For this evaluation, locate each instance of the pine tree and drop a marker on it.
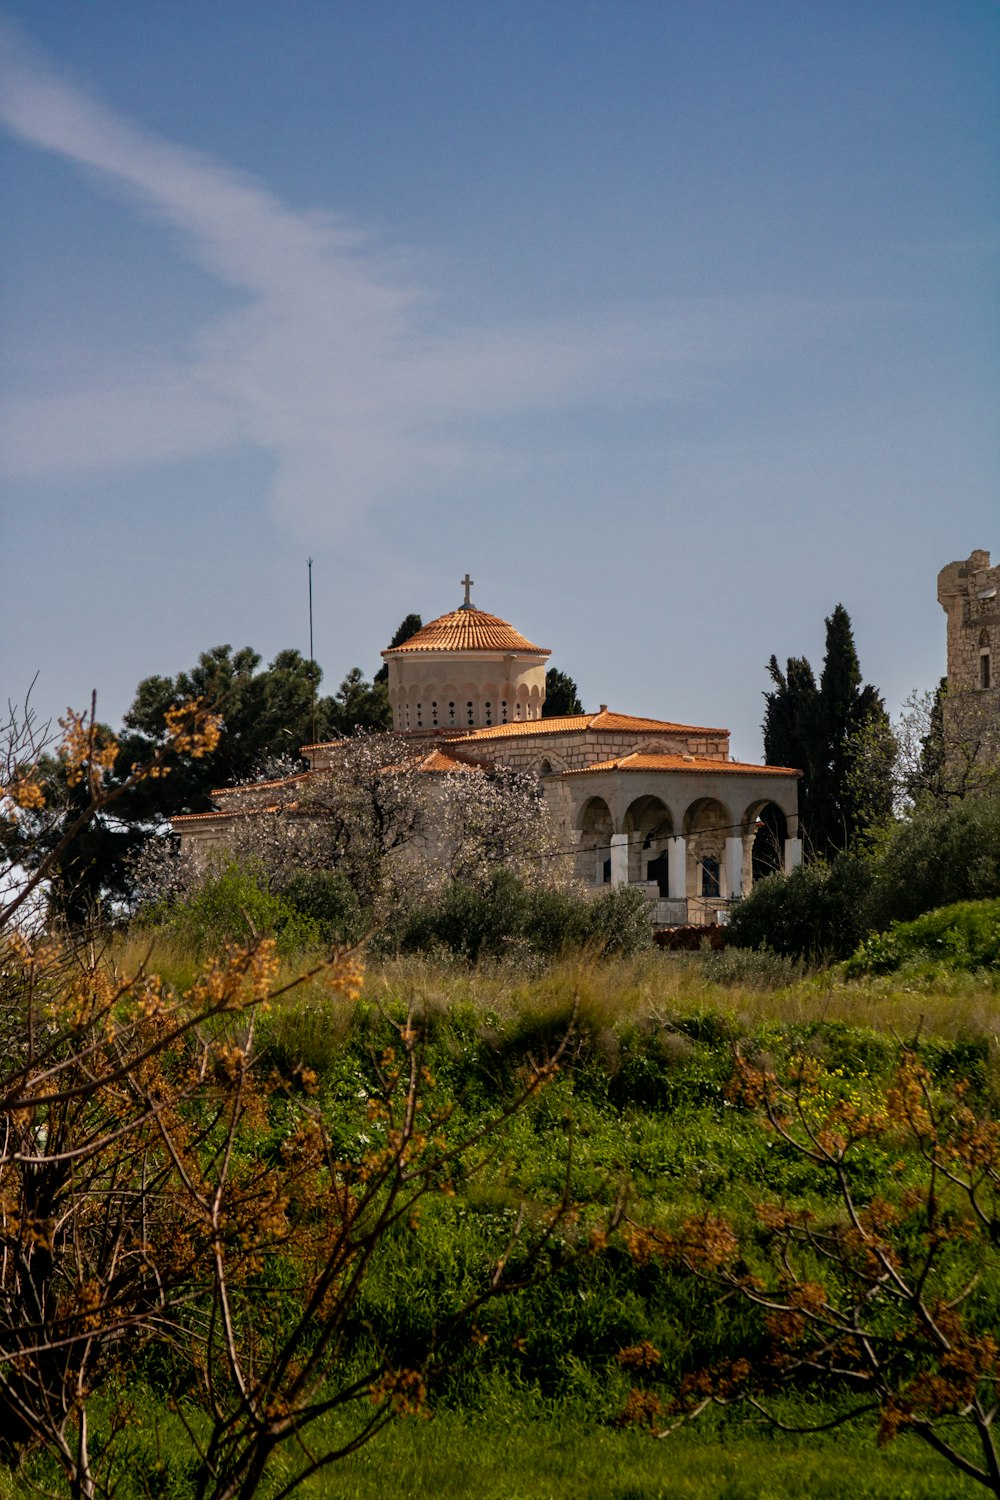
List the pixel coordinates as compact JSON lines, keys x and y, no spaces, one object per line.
{"x":561,"y":695}
{"x":408,"y":627}
{"x":266,"y":714}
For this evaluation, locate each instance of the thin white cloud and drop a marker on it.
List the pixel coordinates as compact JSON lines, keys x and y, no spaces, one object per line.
{"x":332,"y":368}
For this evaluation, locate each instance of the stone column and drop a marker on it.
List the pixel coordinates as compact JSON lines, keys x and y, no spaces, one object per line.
{"x":677,"y":870}
{"x":734,"y":868}
{"x":793,"y":855}
{"x":619,"y":859}
{"x":748,"y":842}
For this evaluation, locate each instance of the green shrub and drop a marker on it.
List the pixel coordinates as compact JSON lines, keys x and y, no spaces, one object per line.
{"x":509,"y":917}
{"x":475,"y":924}
{"x":618,"y":921}
{"x":327,"y":898}
{"x":232,"y":904}
{"x":935,"y":859}
{"x":750,"y":969}
{"x":816,"y":913}
{"x":962,"y":936}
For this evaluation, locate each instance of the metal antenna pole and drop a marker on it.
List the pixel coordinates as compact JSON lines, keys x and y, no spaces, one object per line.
{"x":312,"y":659}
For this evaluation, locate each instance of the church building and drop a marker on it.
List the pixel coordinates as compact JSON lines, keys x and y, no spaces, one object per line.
{"x":643,"y":801}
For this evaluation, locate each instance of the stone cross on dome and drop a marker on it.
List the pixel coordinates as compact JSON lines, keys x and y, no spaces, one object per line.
{"x":467,"y":583}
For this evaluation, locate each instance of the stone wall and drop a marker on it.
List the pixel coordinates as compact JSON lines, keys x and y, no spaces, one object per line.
{"x":571,"y":750}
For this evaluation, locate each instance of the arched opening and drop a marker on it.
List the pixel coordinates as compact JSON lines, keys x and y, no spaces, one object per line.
{"x":707,"y":825}
{"x":769,"y":827}
{"x":596,"y":828}
{"x":650,"y":826}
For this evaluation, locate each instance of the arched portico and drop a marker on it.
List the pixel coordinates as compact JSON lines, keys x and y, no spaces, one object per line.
{"x":685,"y":832}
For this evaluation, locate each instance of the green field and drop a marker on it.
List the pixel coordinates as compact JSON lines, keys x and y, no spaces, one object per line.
{"x":528,"y":1406}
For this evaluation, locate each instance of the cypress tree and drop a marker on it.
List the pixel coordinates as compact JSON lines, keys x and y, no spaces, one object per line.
{"x":834,"y":733}
{"x":791,"y":721}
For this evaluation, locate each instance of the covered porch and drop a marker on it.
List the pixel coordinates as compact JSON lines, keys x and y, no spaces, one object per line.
{"x":693,"y":838}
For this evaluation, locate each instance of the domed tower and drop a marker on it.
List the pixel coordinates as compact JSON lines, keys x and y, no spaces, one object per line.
{"x":465,"y":670}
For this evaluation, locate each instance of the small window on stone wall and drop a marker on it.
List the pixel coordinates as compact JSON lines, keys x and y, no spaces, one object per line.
{"x":434,"y":714}
{"x":489,"y":713}
{"x":468,"y":710}
{"x":984,"y":670}
{"x":503,"y":710}
{"x":710,"y":878}
{"x":451,"y":713}
{"x":420,"y":716}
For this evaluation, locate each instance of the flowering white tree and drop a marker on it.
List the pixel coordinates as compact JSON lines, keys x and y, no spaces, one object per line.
{"x":396,"y":826}
{"x":495,"y":819}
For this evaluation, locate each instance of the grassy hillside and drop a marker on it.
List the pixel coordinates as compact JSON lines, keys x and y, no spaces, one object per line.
{"x":525,"y":1399}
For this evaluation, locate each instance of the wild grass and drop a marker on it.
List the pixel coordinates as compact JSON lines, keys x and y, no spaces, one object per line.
{"x":522,"y":1454}
{"x":658,"y":987}
{"x":517,"y":1447}
{"x":735,"y":993}
{"x":640,"y":1099}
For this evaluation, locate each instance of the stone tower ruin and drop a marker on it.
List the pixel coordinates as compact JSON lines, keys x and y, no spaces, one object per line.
{"x":969,"y":594}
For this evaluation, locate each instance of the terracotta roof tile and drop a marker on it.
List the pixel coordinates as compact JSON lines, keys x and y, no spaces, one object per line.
{"x":440,"y":760}
{"x":466,"y":630}
{"x":581,"y":723}
{"x":639,"y":762}
{"x":229,"y":813}
{"x":256,"y":786}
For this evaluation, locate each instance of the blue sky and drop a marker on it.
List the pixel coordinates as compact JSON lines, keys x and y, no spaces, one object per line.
{"x":675,"y":323}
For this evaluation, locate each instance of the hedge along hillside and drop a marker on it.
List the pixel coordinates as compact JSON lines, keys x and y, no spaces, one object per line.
{"x":965,"y":935}
{"x":823,"y":911}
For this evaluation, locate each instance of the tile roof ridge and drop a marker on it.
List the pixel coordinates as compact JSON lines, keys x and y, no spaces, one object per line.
{"x":642,"y":760}
{"x":254,"y":786}
{"x":466,"y":629}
